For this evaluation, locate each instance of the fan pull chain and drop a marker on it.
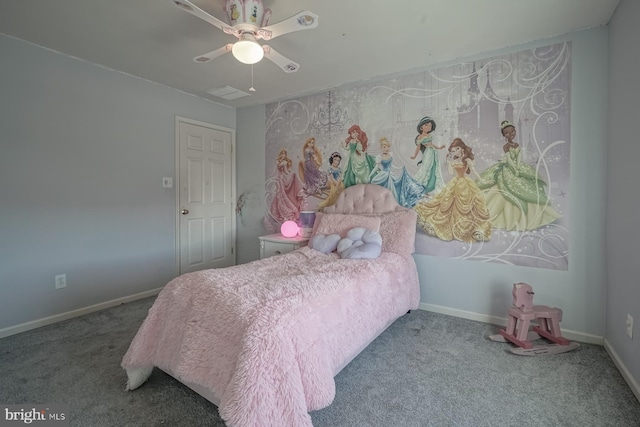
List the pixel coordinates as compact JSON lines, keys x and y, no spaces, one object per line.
{"x":252,"y":89}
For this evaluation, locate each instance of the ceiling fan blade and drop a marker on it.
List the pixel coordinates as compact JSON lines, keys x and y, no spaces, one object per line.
{"x":206,"y":57}
{"x":304,"y":20}
{"x":287,"y":65}
{"x":196,"y":11}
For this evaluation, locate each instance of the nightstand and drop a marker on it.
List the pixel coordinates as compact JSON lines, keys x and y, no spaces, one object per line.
{"x":277,"y":244}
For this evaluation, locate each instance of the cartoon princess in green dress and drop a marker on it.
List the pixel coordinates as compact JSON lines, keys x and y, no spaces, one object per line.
{"x":514,"y":192}
{"x":359,"y":163}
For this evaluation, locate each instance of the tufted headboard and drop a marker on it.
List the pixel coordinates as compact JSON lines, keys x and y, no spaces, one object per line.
{"x":364,"y":199}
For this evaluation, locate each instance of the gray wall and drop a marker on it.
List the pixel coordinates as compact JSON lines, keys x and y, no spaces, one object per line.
{"x":251,"y":165}
{"x":84,"y":150}
{"x":83,"y":153}
{"x":482,"y":291}
{"x":595,"y":299}
{"x":485,"y":288}
{"x":623,"y":191}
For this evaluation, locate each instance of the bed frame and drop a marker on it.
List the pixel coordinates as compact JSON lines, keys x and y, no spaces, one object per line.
{"x":358,"y":199}
{"x":401,"y":294}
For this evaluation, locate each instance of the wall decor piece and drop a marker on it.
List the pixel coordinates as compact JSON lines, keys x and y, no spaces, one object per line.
{"x":248,"y":209}
{"x":480,"y":149}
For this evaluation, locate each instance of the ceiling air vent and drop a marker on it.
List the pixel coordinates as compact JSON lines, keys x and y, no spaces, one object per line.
{"x":227,"y":92}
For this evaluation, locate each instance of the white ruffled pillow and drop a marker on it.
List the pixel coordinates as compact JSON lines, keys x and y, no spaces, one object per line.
{"x":323,"y":243}
{"x":360,"y":243}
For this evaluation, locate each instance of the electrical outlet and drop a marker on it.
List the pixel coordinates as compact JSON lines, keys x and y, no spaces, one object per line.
{"x":61,"y":281}
{"x":629,"y":325}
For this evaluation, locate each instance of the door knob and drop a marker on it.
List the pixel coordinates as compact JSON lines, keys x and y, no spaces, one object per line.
{"x":184,"y":211}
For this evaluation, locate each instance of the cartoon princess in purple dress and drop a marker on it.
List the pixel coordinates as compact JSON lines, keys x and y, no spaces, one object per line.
{"x":309,"y":170}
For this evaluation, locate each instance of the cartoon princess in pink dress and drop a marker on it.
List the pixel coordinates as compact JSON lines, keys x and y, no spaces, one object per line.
{"x":289,"y":196}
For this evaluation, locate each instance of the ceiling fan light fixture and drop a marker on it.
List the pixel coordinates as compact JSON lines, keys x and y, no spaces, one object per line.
{"x":247,"y":50}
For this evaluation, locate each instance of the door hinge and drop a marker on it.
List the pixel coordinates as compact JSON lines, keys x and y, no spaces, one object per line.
{"x":231,"y":250}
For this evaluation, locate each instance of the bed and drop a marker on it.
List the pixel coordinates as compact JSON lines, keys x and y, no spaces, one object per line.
{"x":264,"y":340}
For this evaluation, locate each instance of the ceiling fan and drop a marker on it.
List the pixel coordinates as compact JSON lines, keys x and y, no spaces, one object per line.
{"x":249,"y":22}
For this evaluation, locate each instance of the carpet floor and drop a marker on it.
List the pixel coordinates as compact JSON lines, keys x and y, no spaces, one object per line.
{"x":427,"y":369}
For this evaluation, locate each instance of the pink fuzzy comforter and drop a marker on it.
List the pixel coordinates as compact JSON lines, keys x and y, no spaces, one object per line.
{"x":267,"y":337}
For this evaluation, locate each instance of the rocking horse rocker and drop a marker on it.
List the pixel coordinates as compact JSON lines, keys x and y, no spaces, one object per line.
{"x":521,"y":313}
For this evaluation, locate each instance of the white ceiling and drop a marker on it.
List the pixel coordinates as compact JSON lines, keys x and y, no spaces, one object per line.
{"x":356,"y":40}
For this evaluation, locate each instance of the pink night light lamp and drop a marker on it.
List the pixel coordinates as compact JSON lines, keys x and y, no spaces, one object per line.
{"x":289,"y":229}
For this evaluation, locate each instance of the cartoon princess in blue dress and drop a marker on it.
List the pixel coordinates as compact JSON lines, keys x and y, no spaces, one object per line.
{"x":405,"y":189}
{"x":429,"y":174}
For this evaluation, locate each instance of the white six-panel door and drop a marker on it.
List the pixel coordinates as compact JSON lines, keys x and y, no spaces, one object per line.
{"x":206,"y":200}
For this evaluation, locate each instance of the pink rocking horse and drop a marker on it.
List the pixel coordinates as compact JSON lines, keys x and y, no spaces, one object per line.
{"x":521,"y":313}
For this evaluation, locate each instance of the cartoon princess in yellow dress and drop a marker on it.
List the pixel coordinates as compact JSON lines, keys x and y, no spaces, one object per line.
{"x":458,"y":212}
{"x":235,"y":14}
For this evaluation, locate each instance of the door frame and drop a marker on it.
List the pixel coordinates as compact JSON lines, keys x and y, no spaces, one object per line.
{"x":178,"y":120}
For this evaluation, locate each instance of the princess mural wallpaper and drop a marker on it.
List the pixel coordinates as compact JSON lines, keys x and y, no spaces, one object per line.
{"x":480,"y":150}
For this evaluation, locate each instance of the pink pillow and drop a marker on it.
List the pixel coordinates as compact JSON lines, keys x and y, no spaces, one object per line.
{"x":341,"y":223}
{"x":398,"y":231}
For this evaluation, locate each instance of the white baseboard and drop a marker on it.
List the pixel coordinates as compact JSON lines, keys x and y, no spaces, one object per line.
{"x":484,"y":318}
{"x":23,"y":327}
{"x":633,"y":384}
{"x":500,"y":321}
